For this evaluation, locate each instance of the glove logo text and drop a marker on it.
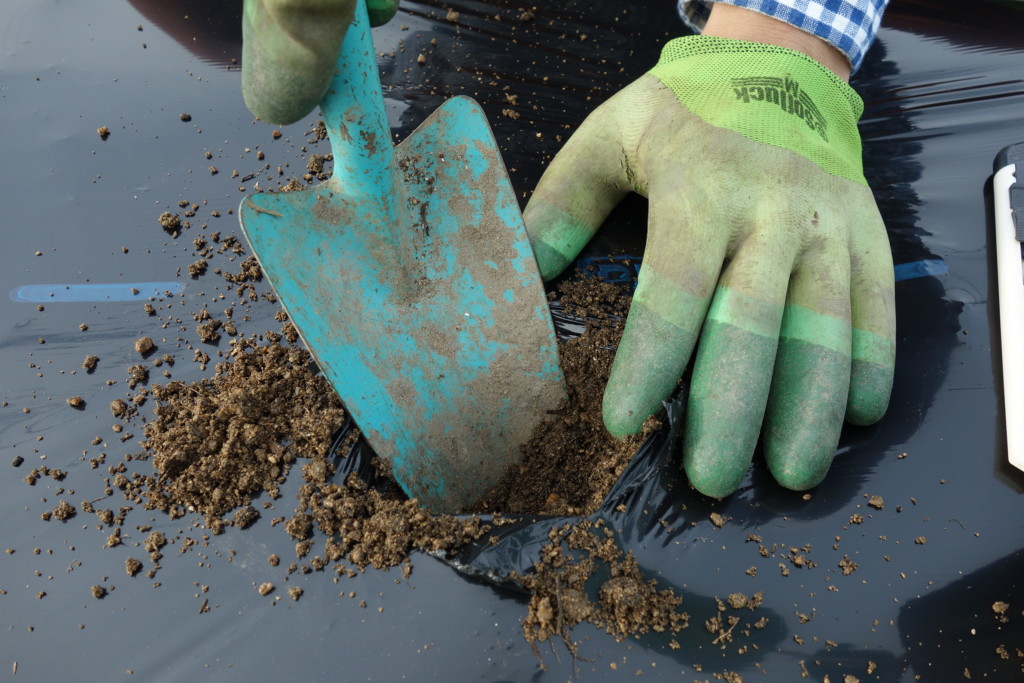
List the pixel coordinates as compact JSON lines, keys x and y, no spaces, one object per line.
{"x":784,"y":92}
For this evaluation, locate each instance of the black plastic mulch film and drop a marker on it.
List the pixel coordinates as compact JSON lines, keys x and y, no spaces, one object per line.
{"x":943,"y":95}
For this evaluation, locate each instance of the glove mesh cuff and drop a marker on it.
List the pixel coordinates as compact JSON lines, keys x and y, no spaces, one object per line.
{"x":770,"y":94}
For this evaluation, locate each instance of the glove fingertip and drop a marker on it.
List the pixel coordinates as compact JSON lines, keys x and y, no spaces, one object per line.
{"x":620,"y":419}
{"x":381,"y":11}
{"x":870,"y":389}
{"x":802,"y":474}
{"x":709,"y":478}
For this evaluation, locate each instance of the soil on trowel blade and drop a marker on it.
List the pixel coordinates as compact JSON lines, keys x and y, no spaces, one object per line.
{"x":571,"y":462}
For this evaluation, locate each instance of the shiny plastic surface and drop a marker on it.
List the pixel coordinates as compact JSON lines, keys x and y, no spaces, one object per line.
{"x":939,"y":547}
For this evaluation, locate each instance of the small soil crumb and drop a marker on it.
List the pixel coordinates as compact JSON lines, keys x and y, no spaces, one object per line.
{"x":315,"y":165}
{"x":89,"y":364}
{"x":246,"y":517}
{"x":144,"y":345}
{"x":876,"y":502}
{"x":119,"y":408}
{"x":170,"y":222}
{"x":452,"y":16}
{"x":295,"y":592}
{"x":137,"y":374}
{"x":155,"y":541}
{"x":103,"y":132}
{"x":132,"y":566}
{"x":273,"y":560}
{"x":198,"y":268}
{"x":17,"y":460}
{"x":717,"y":519}
{"x":626,"y":603}
{"x":265,"y":588}
{"x":99,"y":592}
{"x":64,"y":511}
{"x":185,"y":117}
{"x":76,"y":401}
{"x":209,"y":331}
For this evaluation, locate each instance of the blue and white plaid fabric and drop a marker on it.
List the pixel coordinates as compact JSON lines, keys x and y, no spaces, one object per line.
{"x":848,"y":25}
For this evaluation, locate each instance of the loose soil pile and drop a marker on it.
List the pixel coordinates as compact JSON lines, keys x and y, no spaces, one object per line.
{"x":218,"y":443}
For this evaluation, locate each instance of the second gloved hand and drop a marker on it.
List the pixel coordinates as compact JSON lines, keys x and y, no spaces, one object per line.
{"x":765,"y":253}
{"x":290,"y":50}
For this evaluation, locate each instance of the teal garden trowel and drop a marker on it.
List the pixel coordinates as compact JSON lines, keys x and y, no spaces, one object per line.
{"x":410,"y":277}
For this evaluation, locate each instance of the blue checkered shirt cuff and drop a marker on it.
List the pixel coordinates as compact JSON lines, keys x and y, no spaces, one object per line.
{"x":848,"y":25}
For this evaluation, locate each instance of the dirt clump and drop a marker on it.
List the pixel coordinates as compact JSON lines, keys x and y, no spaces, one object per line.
{"x":563,"y":594}
{"x":132,"y":566}
{"x":171,"y":222}
{"x":373,"y":528}
{"x":144,"y":345}
{"x":217,"y":443}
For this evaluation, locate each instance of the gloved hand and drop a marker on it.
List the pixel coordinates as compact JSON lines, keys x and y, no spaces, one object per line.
{"x":764,"y":245}
{"x":290,"y":50}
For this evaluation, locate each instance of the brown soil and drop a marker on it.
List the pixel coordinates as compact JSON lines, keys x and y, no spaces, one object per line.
{"x":626,"y":604}
{"x":218,"y":443}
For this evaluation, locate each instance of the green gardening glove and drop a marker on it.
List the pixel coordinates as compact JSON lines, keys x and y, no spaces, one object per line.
{"x":764,"y":245}
{"x":290,"y":51}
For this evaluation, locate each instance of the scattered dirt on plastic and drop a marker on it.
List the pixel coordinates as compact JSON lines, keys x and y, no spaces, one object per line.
{"x":217,"y":443}
{"x":626,"y":604}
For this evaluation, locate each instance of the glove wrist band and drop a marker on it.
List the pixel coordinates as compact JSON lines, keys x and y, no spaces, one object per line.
{"x":770,"y":94}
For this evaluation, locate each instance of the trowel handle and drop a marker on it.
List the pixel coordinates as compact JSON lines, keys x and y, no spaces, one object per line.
{"x":354,"y":114}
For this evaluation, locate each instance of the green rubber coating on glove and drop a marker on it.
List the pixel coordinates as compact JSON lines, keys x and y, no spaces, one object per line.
{"x":870,"y":388}
{"x":724,"y":418}
{"x":289,"y":53}
{"x":873,"y":349}
{"x":661,"y":295}
{"x":648,"y":363}
{"x":805,"y":412}
{"x":381,"y":11}
{"x":770,"y":94}
{"x":746,"y":312}
{"x":817,"y":328}
{"x":874,"y":357}
{"x":562,"y":237}
{"x":550,"y":261}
